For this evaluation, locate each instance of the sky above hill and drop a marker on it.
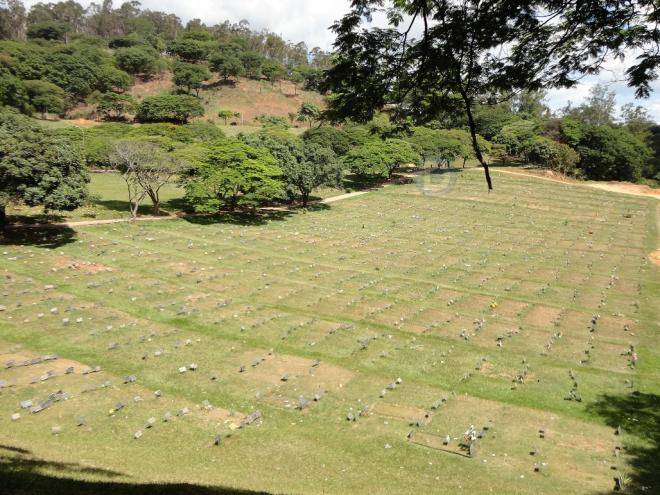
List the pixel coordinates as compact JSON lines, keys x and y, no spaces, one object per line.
{"x":308,"y":21}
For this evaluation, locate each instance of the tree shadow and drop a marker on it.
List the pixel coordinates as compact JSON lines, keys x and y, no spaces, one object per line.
{"x":243,"y":217}
{"x":35,"y":219}
{"x":638,"y":415}
{"x":23,"y":474}
{"x":44,"y":236}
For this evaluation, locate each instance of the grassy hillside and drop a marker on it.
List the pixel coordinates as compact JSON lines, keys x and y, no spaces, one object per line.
{"x":410,"y":313}
{"x":249,"y":97}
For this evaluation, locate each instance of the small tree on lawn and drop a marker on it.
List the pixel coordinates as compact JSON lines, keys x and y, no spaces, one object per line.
{"x":228,"y":114}
{"x":308,"y":112}
{"x":229,"y":174}
{"x":146,"y":168}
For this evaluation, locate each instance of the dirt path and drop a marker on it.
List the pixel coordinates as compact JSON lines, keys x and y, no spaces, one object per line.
{"x":149,"y":218}
{"x":618,"y":187}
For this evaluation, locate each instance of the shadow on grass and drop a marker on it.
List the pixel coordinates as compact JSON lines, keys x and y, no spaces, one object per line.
{"x":260,"y":217}
{"x":177,"y":204}
{"x":638,"y":415}
{"x":23,"y":474}
{"x":49,"y":237}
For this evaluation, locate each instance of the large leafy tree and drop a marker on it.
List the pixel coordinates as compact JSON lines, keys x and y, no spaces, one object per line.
{"x":480,"y":52}
{"x":137,"y":60}
{"x":305,"y":165}
{"x":378,"y":159}
{"x":190,"y":76}
{"x":177,"y":109}
{"x":228,"y":173}
{"x":38,"y":168}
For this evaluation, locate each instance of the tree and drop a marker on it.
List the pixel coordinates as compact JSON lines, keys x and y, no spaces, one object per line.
{"x":435,"y":145}
{"x":272,"y":70}
{"x":305,"y":165}
{"x":549,"y":153}
{"x":378,"y":158}
{"x":188,"y":49}
{"x":611,"y":154}
{"x":146,"y":168}
{"x":172,"y":108}
{"x":190,"y":76}
{"x":308,"y":112}
{"x":296,"y":79}
{"x":49,"y":30}
{"x":229,"y":173}
{"x":515,"y":135}
{"x":137,"y":60}
{"x":318,"y":167}
{"x":228,"y":114}
{"x":13,"y":92}
{"x":114,"y":105}
{"x":226,"y":65}
{"x":38,"y":168}
{"x":480,"y":52}
{"x":598,"y":109}
{"x":46,"y":97}
{"x":329,"y":137}
{"x":252,"y":63}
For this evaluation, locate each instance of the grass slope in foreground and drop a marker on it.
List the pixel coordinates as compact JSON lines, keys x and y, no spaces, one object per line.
{"x":482,"y":304}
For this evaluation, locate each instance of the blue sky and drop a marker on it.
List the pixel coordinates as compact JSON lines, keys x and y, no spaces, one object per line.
{"x":308,"y":21}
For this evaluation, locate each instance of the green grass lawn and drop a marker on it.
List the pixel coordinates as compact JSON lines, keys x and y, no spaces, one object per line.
{"x":417,"y":309}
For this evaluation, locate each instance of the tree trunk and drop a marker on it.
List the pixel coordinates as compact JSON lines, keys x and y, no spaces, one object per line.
{"x":473,"y":134}
{"x":3,"y":217}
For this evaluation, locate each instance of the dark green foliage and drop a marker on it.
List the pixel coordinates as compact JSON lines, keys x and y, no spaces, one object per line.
{"x":252,"y":62}
{"x":38,"y":168}
{"x":548,"y":153}
{"x":490,"y":119}
{"x":13,"y":92}
{"x":226,"y":65}
{"x":190,"y":76}
{"x":379,"y":159}
{"x":272,"y":121}
{"x":188,"y":49}
{"x":515,"y":135}
{"x":272,"y":70}
{"x":308,"y":112}
{"x":329,"y":137}
{"x":177,"y":109}
{"x":305,"y":165}
{"x":611,"y":154}
{"x":114,"y":105}
{"x":46,"y":97}
{"x":77,"y":68}
{"x":49,"y":30}
{"x":137,"y":60}
{"x":228,"y":174}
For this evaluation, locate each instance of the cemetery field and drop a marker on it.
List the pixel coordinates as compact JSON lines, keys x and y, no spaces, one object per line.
{"x":343,"y":349}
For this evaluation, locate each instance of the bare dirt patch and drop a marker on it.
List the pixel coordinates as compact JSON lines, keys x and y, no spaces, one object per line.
{"x":84,"y":266}
{"x":654,"y":257}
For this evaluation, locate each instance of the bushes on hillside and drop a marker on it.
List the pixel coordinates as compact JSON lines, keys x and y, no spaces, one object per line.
{"x":172,"y":108}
